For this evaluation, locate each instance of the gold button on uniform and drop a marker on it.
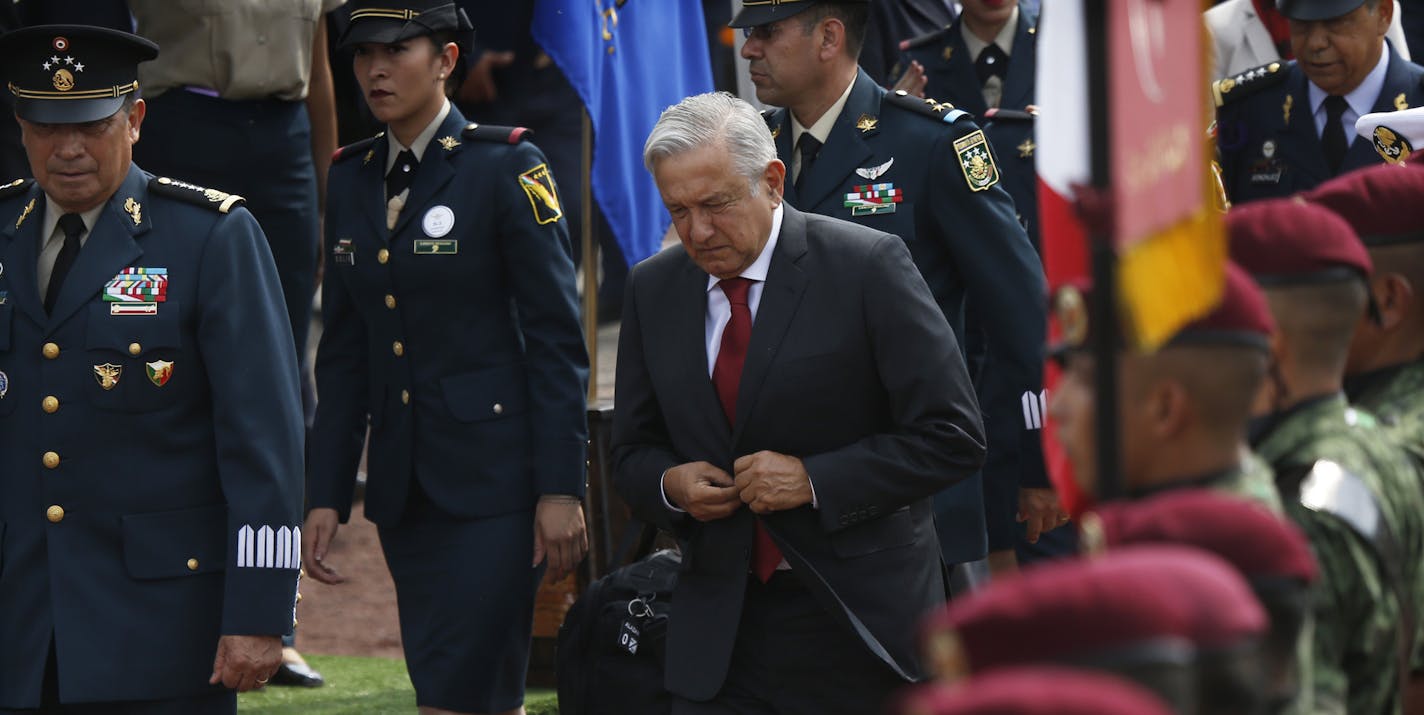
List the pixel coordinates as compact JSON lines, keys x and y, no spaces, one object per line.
{"x":192,"y":564}
{"x":405,"y":397}
{"x":498,"y":408}
{"x":390,"y":301}
{"x":398,"y":348}
{"x":51,"y":460}
{"x":135,"y":349}
{"x":50,"y":404}
{"x":299,"y":598}
{"x":55,"y":514}
{"x":383,"y":256}
{"x":51,"y":351}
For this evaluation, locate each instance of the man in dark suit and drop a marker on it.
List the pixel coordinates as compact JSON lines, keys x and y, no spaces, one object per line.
{"x":150,"y":425}
{"x":1287,"y":126}
{"x":798,"y":477}
{"x":924,"y":172}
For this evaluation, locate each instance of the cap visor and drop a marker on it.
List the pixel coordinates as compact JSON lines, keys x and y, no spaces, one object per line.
{"x":66,"y":111}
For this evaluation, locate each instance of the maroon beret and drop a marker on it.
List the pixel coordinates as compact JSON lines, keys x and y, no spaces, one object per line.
{"x":1258,"y":543}
{"x":1140,"y":597}
{"x":1035,"y":691}
{"x":1240,"y":317}
{"x":1292,"y":242}
{"x":1383,"y":203}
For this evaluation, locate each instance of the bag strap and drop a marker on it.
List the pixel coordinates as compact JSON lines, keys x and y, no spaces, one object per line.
{"x":635,"y":543}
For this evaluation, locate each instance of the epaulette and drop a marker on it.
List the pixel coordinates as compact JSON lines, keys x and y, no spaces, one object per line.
{"x":918,"y":42}
{"x":18,"y":186}
{"x":943,"y":111}
{"x":1247,"y":83}
{"x":768,"y":116}
{"x":996,"y":114}
{"x":497,"y":134}
{"x":219,"y":201}
{"x":354,"y":148}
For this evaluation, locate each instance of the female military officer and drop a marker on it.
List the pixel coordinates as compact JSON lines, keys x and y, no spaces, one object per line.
{"x":452,"y":331}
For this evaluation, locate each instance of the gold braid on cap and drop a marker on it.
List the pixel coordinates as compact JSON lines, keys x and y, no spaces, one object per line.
{"x":106,"y":93}
{"x":384,"y":12}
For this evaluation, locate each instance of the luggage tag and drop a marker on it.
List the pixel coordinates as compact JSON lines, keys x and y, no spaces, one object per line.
{"x":629,"y":634}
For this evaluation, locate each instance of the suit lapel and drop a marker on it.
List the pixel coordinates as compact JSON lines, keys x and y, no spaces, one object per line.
{"x":780,"y":297}
{"x":782,"y":130}
{"x":110,"y":247}
{"x":22,"y":255}
{"x":1299,"y":135}
{"x":689,"y":325}
{"x":844,"y":150}
{"x":371,"y":187}
{"x":1018,"y":84}
{"x":435,"y":171}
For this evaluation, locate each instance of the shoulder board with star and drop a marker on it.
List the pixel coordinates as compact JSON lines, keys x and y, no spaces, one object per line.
{"x":1244,"y":84}
{"x":495,"y":133}
{"x":219,"y":201}
{"x":941,"y":111}
{"x":14,"y":188}
{"x":929,"y":38}
{"x":355,"y":148}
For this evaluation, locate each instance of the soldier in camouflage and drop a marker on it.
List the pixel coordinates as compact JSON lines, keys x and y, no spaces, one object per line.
{"x":1349,"y":487}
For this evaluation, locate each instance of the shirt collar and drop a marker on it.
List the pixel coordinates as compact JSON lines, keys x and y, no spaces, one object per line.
{"x":822,"y":128}
{"x":758,"y":269}
{"x":1005,"y":38}
{"x":422,"y":139}
{"x":51,"y":220}
{"x":1362,"y":100}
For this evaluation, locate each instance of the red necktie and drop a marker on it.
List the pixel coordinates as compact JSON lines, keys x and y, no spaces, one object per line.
{"x":726,"y":377}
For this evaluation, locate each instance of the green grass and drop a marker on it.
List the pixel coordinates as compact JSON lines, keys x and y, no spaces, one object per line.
{"x":359,"y":686}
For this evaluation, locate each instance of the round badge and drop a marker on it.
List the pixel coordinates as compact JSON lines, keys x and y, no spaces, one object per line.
{"x":1268,"y":148}
{"x":60,"y":44}
{"x":4,"y":384}
{"x":438,"y":221}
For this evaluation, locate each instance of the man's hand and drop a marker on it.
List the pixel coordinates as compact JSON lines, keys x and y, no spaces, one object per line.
{"x":479,"y":82}
{"x":559,"y":534}
{"x":246,"y":662}
{"x":768,"y":482}
{"x":1039,"y":512}
{"x":702,"y":490}
{"x":914,"y":80}
{"x":318,"y":534}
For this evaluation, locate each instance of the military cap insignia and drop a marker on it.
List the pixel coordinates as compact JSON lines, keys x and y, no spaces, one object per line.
{"x":134,"y":209}
{"x":159,"y":372}
{"x":448,"y":143}
{"x":1391,"y":146}
{"x":538,"y":185}
{"x":25,"y":213}
{"x":866,"y":123}
{"x":1244,"y":84}
{"x":221,"y":201}
{"x":108,"y":374}
{"x":1400,"y":103}
{"x":1072,"y":311}
{"x":976,"y":161}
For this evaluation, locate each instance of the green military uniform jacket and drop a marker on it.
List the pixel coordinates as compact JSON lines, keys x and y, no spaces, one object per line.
{"x":1355,"y":658}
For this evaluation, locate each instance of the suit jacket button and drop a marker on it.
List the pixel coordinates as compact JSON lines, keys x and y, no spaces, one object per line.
{"x":299,"y":597}
{"x":405,"y":397}
{"x":50,"y":405}
{"x":51,"y":351}
{"x":383,"y":256}
{"x":498,"y":408}
{"x":55,"y":514}
{"x":51,"y":460}
{"x":192,"y":564}
{"x":390,"y":301}
{"x":135,"y":349}
{"x":398,"y":348}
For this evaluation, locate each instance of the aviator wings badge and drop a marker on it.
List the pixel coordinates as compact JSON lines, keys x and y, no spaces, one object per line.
{"x":874,"y":172}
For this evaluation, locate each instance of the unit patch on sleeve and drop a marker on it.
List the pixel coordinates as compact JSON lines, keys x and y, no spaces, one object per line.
{"x":538,"y":184}
{"x":975,"y":161}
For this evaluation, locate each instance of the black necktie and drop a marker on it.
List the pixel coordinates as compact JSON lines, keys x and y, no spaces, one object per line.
{"x":808,"y":146}
{"x":1333,"y":139}
{"x":72,"y":226}
{"x":401,"y":174}
{"x":992,"y":62}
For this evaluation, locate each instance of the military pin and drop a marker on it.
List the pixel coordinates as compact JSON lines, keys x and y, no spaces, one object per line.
{"x":1286,"y":108}
{"x":26,"y":213}
{"x":948,"y":53}
{"x":134,"y":209}
{"x":775,"y":132}
{"x":369,"y":153}
{"x":448,"y":143}
{"x":159,"y":372}
{"x":4,"y":384}
{"x":1026,"y":148}
{"x":866,"y":123}
{"x":1268,"y":148}
{"x":1400,"y":103}
{"x":438,"y":221}
{"x":108,"y":375}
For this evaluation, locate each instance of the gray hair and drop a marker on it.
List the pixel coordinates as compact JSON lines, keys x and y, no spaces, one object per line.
{"x":713,"y":119}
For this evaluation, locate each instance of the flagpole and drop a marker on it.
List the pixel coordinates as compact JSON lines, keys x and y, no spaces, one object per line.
{"x":590,"y":258}
{"x":1105,"y":335}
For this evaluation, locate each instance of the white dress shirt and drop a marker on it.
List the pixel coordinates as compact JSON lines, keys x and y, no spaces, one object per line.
{"x":821,"y":130}
{"x":52,"y":240}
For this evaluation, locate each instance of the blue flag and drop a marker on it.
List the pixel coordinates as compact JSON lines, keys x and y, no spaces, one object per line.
{"x":628,"y":60}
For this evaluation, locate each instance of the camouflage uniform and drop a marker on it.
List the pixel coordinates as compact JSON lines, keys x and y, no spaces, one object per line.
{"x":1355,"y":666}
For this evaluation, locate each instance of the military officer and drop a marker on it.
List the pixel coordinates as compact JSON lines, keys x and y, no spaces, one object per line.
{"x":1286,"y":126}
{"x":452,"y":330}
{"x":150,"y":425}
{"x":1352,"y":490}
{"x":923,"y":171}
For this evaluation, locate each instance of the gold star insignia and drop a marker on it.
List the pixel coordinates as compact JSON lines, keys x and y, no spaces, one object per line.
{"x":866,"y":123}
{"x":449,"y":143}
{"x":1026,"y":148}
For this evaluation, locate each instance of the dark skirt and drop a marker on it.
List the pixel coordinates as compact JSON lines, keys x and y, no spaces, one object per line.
{"x":465,"y":592}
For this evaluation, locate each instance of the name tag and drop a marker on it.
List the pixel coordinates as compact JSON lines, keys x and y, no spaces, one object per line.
{"x":429,"y":247}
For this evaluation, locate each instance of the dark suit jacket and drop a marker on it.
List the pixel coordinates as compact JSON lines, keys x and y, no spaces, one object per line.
{"x":485,"y":401}
{"x":968,"y":245}
{"x":160,"y":479}
{"x":853,"y":369}
{"x":1250,"y":128}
